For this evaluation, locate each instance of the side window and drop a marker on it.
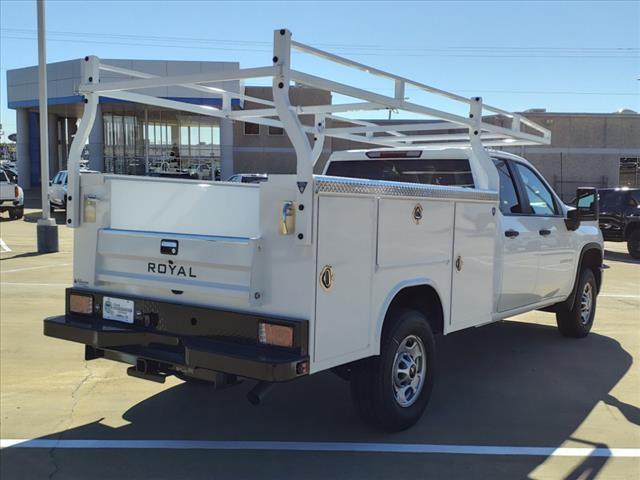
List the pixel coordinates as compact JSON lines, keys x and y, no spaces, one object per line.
{"x":509,"y":201}
{"x":56,"y":179}
{"x":540,"y":197}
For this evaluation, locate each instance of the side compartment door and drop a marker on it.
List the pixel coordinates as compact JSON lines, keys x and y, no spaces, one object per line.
{"x":346,"y":254}
{"x":473,"y":259}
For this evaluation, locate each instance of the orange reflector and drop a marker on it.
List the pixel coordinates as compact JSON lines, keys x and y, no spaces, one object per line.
{"x":81,"y":304}
{"x":302,"y":368}
{"x":279,"y":335}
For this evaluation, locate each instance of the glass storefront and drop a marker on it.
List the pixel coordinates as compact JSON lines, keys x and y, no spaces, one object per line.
{"x":161,"y":143}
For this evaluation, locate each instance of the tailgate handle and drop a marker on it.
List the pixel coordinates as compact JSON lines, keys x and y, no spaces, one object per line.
{"x":169,"y":247}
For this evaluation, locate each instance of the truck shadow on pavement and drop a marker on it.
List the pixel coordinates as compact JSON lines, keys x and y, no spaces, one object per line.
{"x":620,"y":257}
{"x":506,"y":384}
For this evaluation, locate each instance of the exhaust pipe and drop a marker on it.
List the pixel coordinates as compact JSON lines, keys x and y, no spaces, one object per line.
{"x":258,"y":392}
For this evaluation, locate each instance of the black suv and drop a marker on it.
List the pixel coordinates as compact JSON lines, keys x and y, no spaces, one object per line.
{"x":620,"y":217}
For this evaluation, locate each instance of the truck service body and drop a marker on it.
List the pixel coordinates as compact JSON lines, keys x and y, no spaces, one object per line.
{"x":302,"y":273}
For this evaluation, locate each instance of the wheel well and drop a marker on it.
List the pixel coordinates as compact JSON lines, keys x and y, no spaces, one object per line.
{"x":592,"y":259}
{"x":422,"y":298}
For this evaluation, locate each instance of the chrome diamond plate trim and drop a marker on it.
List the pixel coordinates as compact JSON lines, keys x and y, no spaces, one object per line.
{"x":342,"y":185}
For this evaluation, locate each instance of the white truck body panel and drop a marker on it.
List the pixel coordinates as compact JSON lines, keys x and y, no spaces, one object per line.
{"x":203,"y":208}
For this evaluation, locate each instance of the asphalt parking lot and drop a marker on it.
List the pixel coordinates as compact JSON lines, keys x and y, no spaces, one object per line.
{"x":517,"y":385}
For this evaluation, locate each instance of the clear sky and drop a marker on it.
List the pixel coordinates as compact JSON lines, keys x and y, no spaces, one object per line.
{"x":576,"y":56}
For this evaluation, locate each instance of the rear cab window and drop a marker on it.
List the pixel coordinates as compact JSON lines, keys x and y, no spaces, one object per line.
{"x":509,"y":199}
{"x":433,"y":171}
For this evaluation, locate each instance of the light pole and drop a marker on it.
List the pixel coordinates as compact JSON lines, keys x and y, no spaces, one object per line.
{"x":46,"y":228}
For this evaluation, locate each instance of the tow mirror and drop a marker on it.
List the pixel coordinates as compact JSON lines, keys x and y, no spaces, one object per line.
{"x":572,"y":221}
{"x":586,"y":210}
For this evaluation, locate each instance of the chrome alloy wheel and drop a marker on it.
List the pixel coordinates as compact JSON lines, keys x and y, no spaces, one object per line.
{"x":586,"y":303}
{"x":409,"y":371}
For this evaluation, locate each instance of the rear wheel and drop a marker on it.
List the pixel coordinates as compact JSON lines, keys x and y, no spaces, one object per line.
{"x":633,"y":243}
{"x":392,"y":390}
{"x":577,"y":321}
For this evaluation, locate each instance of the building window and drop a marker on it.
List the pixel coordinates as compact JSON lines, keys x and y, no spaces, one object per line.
{"x":276,"y":130}
{"x":630,"y":172}
{"x":251,"y":128}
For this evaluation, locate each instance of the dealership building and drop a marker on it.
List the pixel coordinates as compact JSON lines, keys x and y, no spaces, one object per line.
{"x":128,"y":138}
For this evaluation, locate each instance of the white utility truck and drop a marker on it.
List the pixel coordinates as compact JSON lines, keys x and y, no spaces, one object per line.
{"x":355,"y":270}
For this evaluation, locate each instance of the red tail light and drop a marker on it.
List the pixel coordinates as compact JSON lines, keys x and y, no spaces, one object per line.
{"x":16,"y":191}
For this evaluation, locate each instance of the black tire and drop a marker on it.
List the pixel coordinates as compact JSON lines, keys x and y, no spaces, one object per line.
{"x":633,"y":243}
{"x":373,"y":388}
{"x":19,"y":212}
{"x":52,"y":210}
{"x":576,"y":322}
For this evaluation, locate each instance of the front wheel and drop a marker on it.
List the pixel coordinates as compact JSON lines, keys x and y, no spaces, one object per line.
{"x":392,"y":390}
{"x":633,"y":243}
{"x":577,"y":321}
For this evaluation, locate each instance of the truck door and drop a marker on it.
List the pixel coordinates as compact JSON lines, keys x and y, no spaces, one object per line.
{"x":555,"y":254}
{"x":346,"y":255}
{"x":519,"y":241}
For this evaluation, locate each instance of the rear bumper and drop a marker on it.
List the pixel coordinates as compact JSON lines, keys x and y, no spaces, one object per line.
{"x":194,"y":355}
{"x":10,"y":204}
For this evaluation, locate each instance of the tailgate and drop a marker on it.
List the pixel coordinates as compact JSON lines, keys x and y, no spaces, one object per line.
{"x":215,"y":265}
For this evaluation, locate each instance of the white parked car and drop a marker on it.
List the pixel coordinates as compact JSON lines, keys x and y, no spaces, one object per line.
{"x":354,"y":271}
{"x":11,"y":195}
{"x":58,"y":189}
{"x":248,"y":178}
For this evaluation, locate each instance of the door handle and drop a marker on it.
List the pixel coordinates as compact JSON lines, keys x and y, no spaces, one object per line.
{"x":511,"y":233}
{"x":544,"y":232}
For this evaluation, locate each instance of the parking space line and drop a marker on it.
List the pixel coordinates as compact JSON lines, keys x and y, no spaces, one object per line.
{"x":28,"y":284}
{"x":323,"y":447}
{"x":619,"y":295}
{"x":3,"y":246}
{"x":36,"y":268}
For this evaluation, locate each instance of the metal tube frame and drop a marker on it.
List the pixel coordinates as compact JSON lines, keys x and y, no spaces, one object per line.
{"x":452,"y":130}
